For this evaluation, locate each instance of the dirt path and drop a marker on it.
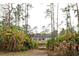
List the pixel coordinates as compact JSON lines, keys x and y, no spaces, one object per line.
{"x":38,"y":52}
{"x":41,"y":51}
{"x":33,"y":52}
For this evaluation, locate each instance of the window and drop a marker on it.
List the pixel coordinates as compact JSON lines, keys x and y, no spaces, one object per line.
{"x":43,"y":38}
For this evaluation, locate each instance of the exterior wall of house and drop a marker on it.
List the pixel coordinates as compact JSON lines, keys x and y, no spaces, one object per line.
{"x":40,"y":37}
{"x":43,"y":37}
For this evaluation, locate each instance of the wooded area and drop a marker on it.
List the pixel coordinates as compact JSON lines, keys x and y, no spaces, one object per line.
{"x":14,"y":37}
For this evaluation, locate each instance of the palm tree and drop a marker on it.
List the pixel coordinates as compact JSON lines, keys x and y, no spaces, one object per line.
{"x":18,"y":12}
{"x":7,"y":14}
{"x":27,"y":6}
{"x":57,"y":18}
{"x":76,"y":11}
{"x":66,"y":10}
{"x":50,"y":12}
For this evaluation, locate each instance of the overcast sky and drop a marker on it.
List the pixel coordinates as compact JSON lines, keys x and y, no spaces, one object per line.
{"x":37,"y":13}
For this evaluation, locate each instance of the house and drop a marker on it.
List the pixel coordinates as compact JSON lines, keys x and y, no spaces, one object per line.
{"x":43,"y":37}
{"x":40,"y":37}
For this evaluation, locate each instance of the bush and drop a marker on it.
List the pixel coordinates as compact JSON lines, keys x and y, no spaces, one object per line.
{"x":50,"y":44}
{"x":64,"y":44}
{"x":12,"y":39}
{"x":34,"y":44}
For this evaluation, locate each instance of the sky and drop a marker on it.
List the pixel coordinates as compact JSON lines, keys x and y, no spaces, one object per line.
{"x":38,"y":12}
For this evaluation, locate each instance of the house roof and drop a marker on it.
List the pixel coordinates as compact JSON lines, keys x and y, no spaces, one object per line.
{"x":41,"y":36}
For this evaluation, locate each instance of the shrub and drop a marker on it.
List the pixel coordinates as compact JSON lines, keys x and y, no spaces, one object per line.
{"x":12,"y":39}
{"x":34,"y":44}
{"x":15,"y":39}
{"x":66,"y":44}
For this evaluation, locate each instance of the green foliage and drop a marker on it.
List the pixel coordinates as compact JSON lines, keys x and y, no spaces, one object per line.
{"x":14,"y":39}
{"x":34,"y":44}
{"x":64,"y":44}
